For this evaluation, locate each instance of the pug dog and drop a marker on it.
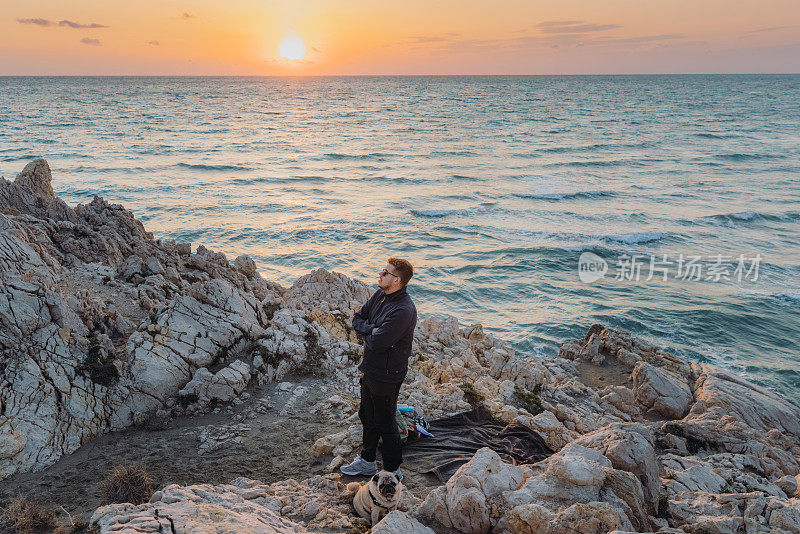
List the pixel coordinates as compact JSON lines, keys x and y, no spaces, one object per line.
{"x":378,"y":497}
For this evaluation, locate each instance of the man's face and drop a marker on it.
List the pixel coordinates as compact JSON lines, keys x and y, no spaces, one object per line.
{"x":388,"y":279}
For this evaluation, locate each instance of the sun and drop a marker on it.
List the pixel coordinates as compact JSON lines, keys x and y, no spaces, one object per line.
{"x":292,"y":47}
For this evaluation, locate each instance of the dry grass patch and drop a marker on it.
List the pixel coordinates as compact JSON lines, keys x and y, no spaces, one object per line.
{"x":24,"y":516}
{"x":127,"y":483}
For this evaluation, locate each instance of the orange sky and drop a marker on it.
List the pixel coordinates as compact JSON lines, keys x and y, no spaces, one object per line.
{"x":240,"y":37}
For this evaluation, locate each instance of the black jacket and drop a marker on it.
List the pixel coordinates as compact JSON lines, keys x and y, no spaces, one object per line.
{"x":393,"y":318}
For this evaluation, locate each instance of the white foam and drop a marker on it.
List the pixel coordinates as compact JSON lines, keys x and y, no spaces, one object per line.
{"x":633,"y":238}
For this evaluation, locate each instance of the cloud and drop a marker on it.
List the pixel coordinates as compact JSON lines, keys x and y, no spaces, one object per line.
{"x":573,"y":26}
{"x":72,"y":24}
{"x":90,"y":42}
{"x":642,"y":39}
{"x":770,"y":29}
{"x":186,"y":16}
{"x":431,"y":39}
{"x":527,"y":44}
{"x":154,"y":43}
{"x":37,"y":22}
{"x":63,"y":23}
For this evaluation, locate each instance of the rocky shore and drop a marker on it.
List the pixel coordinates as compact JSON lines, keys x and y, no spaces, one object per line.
{"x":103,"y":328}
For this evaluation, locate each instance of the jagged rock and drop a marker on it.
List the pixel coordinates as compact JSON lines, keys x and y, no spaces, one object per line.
{"x":36,"y":177}
{"x":31,"y":193}
{"x":733,"y":415}
{"x":712,"y":513}
{"x":246,"y":266}
{"x":526,"y":519}
{"x":222,"y":386}
{"x":12,"y":441}
{"x":788,"y":485}
{"x":132,"y":266}
{"x":588,"y":517}
{"x":318,"y":504}
{"x":629,"y":447}
{"x":577,"y":474}
{"x":555,"y":434}
{"x":691,"y":474}
{"x":398,"y":522}
{"x":756,"y":407}
{"x":168,"y":315}
{"x":461,"y":503}
{"x":660,"y":392}
{"x":154,"y":266}
{"x":578,"y":466}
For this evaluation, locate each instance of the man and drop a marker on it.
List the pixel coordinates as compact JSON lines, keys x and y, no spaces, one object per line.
{"x":387,"y":322}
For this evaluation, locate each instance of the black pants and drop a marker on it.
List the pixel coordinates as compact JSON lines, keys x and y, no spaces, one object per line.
{"x":377,"y":414}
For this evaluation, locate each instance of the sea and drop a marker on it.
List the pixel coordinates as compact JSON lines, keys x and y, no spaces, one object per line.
{"x":668,"y":206}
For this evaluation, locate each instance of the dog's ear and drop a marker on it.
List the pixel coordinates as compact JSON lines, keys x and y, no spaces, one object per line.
{"x":375,"y":478}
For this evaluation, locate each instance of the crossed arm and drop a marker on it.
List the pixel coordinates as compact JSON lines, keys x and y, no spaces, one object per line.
{"x":390,"y":330}
{"x":377,"y":337}
{"x":361,"y":322}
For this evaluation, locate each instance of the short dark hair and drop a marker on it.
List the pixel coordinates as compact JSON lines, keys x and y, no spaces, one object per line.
{"x":404,"y":269}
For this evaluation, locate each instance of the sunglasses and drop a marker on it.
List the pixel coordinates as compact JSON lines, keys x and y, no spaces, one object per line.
{"x":385,"y":272}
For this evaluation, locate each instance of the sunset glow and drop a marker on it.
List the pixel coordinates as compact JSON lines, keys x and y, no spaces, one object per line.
{"x":292,"y":47}
{"x":361,"y":37}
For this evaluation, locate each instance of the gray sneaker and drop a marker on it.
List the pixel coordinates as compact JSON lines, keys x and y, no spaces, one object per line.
{"x":360,"y":466}
{"x":398,"y":474}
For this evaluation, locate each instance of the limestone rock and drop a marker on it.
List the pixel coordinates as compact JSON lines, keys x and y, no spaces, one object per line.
{"x":461,"y":503}
{"x":528,"y":518}
{"x":555,"y":434}
{"x":691,"y":474}
{"x":578,"y":474}
{"x":788,"y":485}
{"x":660,"y":392}
{"x":36,"y":177}
{"x":733,"y":415}
{"x":398,"y":522}
{"x":222,"y":386}
{"x":578,"y":466}
{"x":589,"y":517}
{"x":629,"y":447}
{"x":318,"y":504}
{"x":246,"y":266}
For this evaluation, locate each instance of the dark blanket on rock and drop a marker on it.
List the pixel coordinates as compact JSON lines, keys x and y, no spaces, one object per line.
{"x":458,"y":437}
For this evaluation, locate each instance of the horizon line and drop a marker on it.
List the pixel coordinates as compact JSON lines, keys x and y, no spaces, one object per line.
{"x":389,"y":75}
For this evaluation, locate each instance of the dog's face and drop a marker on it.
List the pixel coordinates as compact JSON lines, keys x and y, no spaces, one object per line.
{"x":386,"y":483}
{"x":378,"y":497}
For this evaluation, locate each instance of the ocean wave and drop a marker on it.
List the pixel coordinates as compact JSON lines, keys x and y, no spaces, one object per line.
{"x":435,"y":214}
{"x":286,"y":179}
{"x":22,"y":157}
{"x":635,"y":238}
{"x":593,"y":147}
{"x":567,"y":195}
{"x":453,"y":153}
{"x":606,"y":162}
{"x":739,"y":156}
{"x":92,"y":169}
{"x":708,"y":135}
{"x":749,"y":216}
{"x":789,"y":298}
{"x":374,"y":156}
{"x":203,"y":167}
{"x":393,"y":179}
{"x":439,"y":213}
{"x":249,"y":181}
